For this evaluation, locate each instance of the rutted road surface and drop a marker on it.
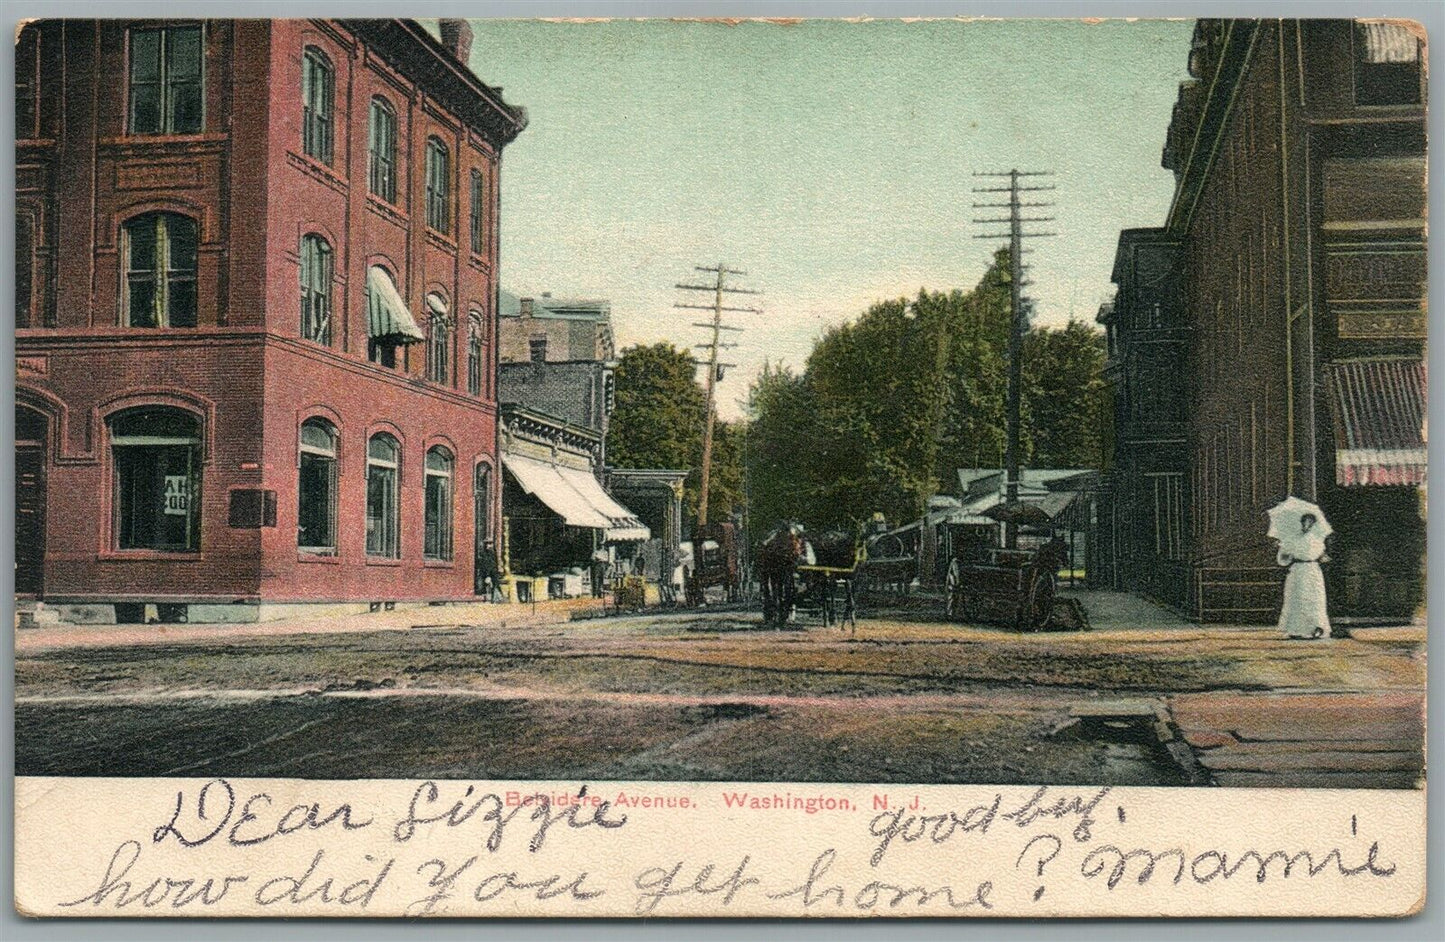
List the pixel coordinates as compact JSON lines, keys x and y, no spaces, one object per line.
{"x":714,"y":697}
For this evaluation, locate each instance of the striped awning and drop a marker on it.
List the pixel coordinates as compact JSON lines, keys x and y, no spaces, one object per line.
{"x":1385,"y":42}
{"x":545,"y":482}
{"x":1378,"y":407}
{"x":386,"y":313}
{"x":622,"y":525}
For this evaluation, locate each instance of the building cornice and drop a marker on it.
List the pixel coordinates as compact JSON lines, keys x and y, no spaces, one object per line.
{"x":1234,"y":55}
{"x":415,"y":53}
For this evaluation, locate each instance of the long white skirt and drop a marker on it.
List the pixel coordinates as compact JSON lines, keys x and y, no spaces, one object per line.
{"x":1304,"y":602}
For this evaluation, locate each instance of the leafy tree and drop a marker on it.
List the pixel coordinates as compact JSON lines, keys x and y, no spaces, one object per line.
{"x":658,"y":423}
{"x":891,"y":404}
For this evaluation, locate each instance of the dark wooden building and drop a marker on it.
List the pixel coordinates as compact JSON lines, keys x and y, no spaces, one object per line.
{"x":1144,"y":505}
{"x":1298,"y":148}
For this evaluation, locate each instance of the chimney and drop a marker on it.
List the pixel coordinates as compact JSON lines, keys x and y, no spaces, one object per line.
{"x":457,"y":37}
{"x":527,"y":307}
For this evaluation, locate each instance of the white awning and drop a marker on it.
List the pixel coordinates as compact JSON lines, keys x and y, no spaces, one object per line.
{"x":623,"y":525}
{"x":436,"y":303}
{"x":386,"y":312}
{"x":1389,"y":42}
{"x":545,"y":482}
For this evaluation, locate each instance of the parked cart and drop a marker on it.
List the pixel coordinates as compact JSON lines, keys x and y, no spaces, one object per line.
{"x":1015,"y":586}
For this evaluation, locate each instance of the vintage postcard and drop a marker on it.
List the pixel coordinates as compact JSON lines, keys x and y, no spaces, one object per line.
{"x":720,"y":468}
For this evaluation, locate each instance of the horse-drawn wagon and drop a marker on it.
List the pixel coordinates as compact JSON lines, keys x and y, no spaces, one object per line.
{"x":798,"y":571}
{"x":1015,"y":586}
{"x":716,"y":562}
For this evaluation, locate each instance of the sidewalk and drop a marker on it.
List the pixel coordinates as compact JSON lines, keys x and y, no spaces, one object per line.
{"x":471,"y":614}
{"x":1109,"y":611}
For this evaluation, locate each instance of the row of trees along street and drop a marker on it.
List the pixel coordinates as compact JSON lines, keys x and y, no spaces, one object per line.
{"x":887,"y":407}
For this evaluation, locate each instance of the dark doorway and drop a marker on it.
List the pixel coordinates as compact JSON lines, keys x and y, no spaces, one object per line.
{"x":31,"y":430}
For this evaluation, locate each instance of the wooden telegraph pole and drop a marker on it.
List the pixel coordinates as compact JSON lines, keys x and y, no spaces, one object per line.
{"x":1017,"y":309}
{"x":714,"y":365}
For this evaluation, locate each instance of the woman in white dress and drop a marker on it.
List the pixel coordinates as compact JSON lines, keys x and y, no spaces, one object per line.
{"x":1304,"y":614}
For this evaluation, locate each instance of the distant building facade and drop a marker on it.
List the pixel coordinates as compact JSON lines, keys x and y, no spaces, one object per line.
{"x":557,"y":514}
{"x":1298,"y":148}
{"x":552,"y":330}
{"x":256,"y":345}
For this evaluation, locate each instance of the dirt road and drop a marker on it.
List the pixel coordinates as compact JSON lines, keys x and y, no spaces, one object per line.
{"x":713,"y":697}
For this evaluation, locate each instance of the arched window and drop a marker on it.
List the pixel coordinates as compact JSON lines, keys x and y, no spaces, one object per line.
{"x":382,"y":145}
{"x":474,"y":353}
{"x":316,"y":498}
{"x":318,"y":99}
{"x":438,"y":186}
{"x":438,"y":542}
{"x":156,"y":453}
{"x":439,"y":340}
{"x":482,"y":504}
{"x":159,"y":253}
{"x":316,"y":272}
{"x":477,"y":217}
{"x":383,"y":525}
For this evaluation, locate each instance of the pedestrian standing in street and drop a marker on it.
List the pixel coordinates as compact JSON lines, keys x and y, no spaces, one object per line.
{"x":1301,"y":551}
{"x":599,"y":573}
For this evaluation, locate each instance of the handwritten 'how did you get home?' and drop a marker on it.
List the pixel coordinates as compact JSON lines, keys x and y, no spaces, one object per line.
{"x":444,"y":848}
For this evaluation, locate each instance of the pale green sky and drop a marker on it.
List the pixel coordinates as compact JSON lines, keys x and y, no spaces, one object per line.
{"x":831,"y":160}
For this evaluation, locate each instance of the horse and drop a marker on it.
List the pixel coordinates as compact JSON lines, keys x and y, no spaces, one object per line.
{"x":835,"y":550}
{"x":779,"y":556}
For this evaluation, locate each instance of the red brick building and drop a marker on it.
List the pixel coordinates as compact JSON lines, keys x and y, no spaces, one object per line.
{"x":256,"y":272}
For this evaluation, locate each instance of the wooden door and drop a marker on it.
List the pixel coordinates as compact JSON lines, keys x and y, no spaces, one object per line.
{"x":29,"y":518}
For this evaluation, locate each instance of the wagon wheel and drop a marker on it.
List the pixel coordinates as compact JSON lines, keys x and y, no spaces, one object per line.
{"x":1040,"y":604}
{"x":954,"y":603}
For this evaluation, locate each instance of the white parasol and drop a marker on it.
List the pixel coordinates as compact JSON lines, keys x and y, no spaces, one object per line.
{"x":1284,"y":519}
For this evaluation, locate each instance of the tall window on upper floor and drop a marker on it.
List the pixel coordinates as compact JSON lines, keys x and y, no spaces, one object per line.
{"x":166,"y":86}
{"x":159,"y":252}
{"x":474,"y":353}
{"x":156,"y":459}
{"x":1387,"y":64}
{"x":24,"y":269}
{"x":27,"y":82}
{"x":318,"y":98}
{"x":316,"y":493}
{"x":383,"y":468}
{"x":439,"y":340}
{"x":478,"y":233}
{"x":438,"y":539}
{"x":381,"y":139}
{"x":316,"y":271}
{"x":438,"y":186}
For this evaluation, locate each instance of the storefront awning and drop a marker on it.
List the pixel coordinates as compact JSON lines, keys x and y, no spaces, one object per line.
{"x":1378,"y":407}
{"x":386,"y":312}
{"x":623,"y":525}
{"x":545,"y":482}
{"x":1385,"y":41}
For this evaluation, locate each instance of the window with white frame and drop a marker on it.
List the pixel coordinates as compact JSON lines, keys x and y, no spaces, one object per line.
{"x":156,"y":459}
{"x":439,"y":340}
{"x":383,"y":480}
{"x":159,"y":252}
{"x":477,"y":216}
{"x":438,"y":186}
{"x":382,"y":157}
{"x":166,"y":87}
{"x":318,"y":100}
{"x":317,"y":267}
{"x":438,"y":539}
{"x":316,"y":497}
{"x":475,"y":360}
